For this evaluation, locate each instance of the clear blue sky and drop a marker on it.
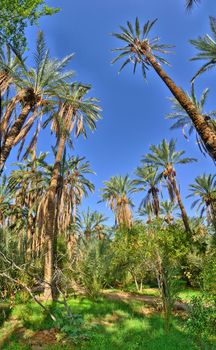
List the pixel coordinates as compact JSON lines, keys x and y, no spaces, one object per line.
{"x":133,"y":110}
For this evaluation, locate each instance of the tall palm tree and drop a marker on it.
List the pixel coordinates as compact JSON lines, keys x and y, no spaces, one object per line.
{"x":76,"y":113}
{"x":36,"y":88}
{"x":140,"y":49}
{"x":148,"y":180}
{"x":206,"y":47}
{"x":117,"y":193}
{"x":204,"y":188}
{"x":183,"y":121}
{"x":165,"y":157}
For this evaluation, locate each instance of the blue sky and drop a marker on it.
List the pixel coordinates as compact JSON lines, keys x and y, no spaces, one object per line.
{"x":133,"y":110}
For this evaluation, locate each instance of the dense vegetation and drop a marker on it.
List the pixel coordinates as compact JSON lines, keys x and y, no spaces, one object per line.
{"x":67,"y":278}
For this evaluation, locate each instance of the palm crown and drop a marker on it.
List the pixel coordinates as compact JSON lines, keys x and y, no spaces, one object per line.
{"x":137,"y":38}
{"x":205,"y":189}
{"x":182,"y":120}
{"x":148,"y":179}
{"x":117,"y":192}
{"x":206,"y":46}
{"x":165,"y":155}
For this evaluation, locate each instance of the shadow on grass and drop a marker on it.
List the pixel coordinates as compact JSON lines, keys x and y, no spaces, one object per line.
{"x":5,"y":312}
{"x":111,"y":325}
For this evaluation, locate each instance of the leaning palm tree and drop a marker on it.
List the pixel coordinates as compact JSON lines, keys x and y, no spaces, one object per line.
{"x":35,"y":91}
{"x":183,"y":121}
{"x":148,"y":180}
{"x":206,"y":47}
{"x":76,"y":113}
{"x":204,"y":188}
{"x":165,"y":157}
{"x":117,"y":193}
{"x":140,"y":49}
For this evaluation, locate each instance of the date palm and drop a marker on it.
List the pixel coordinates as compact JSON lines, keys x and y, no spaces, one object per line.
{"x":76,"y":113}
{"x":9,"y":66}
{"x":206,"y":47}
{"x":167,"y":208}
{"x":5,"y":201}
{"x":92,"y":224}
{"x":183,"y":121}
{"x":27,"y":185}
{"x":73,"y":185}
{"x":148,"y":179}
{"x":117,"y":193}
{"x":165,"y":157}
{"x":36,"y":89}
{"x":141,"y":49}
{"x":204,"y":189}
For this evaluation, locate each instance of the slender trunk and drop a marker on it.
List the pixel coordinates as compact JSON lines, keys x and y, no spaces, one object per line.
{"x":180,"y":203}
{"x":50,"y":246}
{"x":12,"y":134}
{"x":30,"y":232}
{"x":206,"y":133}
{"x":72,"y":237}
{"x":156,"y":202}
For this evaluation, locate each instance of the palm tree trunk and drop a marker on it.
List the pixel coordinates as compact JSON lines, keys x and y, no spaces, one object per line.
{"x":50,"y":246}
{"x":206,"y":133}
{"x":71,"y":237}
{"x":14,"y":131}
{"x":156,"y":202}
{"x":181,"y":205}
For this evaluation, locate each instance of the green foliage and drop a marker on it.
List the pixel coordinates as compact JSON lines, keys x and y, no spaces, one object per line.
{"x":202,"y":319}
{"x":92,"y":265}
{"x":15,"y":15}
{"x":112,"y":324}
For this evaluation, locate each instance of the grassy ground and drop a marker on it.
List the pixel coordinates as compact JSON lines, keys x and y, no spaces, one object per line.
{"x":185,"y":295}
{"x":108,"y":325}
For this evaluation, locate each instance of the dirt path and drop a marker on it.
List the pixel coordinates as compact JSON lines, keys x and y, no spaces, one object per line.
{"x":151,"y":300}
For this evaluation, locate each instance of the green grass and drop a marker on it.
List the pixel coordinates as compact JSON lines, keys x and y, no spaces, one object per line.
{"x":188,"y":294}
{"x":108,"y":325}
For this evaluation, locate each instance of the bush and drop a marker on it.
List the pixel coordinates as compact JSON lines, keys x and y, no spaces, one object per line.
{"x":202,"y":319}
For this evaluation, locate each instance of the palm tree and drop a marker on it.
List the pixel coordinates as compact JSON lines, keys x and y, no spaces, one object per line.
{"x":205,"y":189}
{"x":140,"y":49}
{"x":164,"y":156}
{"x":117,"y":193}
{"x":148,"y":179}
{"x":36,"y":87}
{"x":167,"y":208}
{"x":76,"y":113}
{"x":5,"y":201}
{"x":92,"y":224}
{"x":9,"y":66}
{"x":183,"y":121}
{"x":73,"y":185}
{"x":206,"y":46}
{"x":27,"y":184}
{"x":146,"y":211}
